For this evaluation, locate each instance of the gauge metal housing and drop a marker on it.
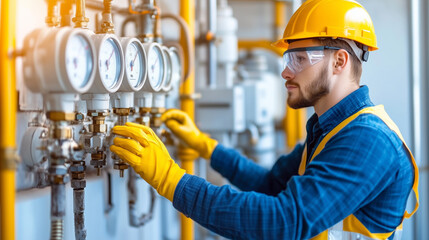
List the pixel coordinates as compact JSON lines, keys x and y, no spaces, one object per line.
{"x":149,"y":86}
{"x":99,"y":85}
{"x":44,"y":63}
{"x":127,"y":85}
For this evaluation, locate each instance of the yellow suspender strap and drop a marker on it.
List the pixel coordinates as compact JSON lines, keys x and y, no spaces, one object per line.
{"x":378,"y":111}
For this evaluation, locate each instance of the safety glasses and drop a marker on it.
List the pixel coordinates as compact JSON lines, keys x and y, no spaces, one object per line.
{"x":298,"y":59}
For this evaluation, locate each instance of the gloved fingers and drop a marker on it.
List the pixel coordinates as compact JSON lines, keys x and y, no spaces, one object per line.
{"x":132,"y":132}
{"x":176,"y":127}
{"x":129,"y":144}
{"x":126,"y":155}
{"x":145,"y":129}
{"x":174,"y":114}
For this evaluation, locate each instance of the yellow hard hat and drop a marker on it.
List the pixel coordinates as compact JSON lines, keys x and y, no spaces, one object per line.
{"x":344,"y":19}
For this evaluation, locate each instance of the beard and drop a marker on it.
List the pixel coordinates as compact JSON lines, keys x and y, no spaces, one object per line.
{"x":318,"y":88}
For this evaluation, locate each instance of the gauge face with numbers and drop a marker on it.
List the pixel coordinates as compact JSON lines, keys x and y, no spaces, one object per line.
{"x":135,"y":63}
{"x":156,"y":67}
{"x":78,"y":60}
{"x":109,"y":63}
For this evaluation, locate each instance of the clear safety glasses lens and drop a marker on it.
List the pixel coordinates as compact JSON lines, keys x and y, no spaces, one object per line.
{"x":298,"y":59}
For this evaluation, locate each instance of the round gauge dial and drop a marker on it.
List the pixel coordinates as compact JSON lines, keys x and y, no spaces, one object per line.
{"x":134,"y":60}
{"x":78,"y":56}
{"x":155,"y":62}
{"x":176,"y":65}
{"x":109,"y":63}
{"x":168,"y":71}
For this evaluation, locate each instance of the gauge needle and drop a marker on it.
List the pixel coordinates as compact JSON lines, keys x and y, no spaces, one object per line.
{"x":132,"y":62}
{"x":153,"y":66}
{"x":108,"y":60}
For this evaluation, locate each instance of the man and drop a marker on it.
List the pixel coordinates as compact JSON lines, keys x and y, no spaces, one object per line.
{"x":350,"y":180}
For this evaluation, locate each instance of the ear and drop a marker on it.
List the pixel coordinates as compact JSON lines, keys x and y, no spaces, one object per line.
{"x":341,"y":59}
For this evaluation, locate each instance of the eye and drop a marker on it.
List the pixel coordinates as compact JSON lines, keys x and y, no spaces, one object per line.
{"x":300,"y":59}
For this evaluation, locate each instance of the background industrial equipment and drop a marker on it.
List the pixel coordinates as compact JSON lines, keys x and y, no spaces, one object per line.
{"x":72,"y":69}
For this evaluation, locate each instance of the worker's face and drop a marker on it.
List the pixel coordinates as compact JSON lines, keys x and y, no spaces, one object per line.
{"x":310,"y":83}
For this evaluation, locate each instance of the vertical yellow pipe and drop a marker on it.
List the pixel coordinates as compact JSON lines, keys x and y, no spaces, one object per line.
{"x":8,"y":103}
{"x":187,"y":12}
{"x":294,"y":122}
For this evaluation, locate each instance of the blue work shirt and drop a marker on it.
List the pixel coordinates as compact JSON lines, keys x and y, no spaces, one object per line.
{"x":363,"y":170}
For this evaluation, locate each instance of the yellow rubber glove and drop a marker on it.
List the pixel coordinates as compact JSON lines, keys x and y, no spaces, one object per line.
{"x":184,"y":128}
{"x":145,"y":152}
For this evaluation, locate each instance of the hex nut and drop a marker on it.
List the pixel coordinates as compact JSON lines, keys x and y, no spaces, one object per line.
{"x":60,"y":116}
{"x":78,"y":183}
{"x":120,"y":166}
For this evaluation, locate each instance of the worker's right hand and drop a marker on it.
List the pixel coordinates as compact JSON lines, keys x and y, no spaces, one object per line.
{"x":184,"y":128}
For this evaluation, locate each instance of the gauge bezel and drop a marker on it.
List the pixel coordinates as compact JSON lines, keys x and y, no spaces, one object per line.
{"x":168,"y":81}
{"x":126,"y":84}
{"x":147,"y":86}
{"x":88,"y":84}
{"x":99,"y":86}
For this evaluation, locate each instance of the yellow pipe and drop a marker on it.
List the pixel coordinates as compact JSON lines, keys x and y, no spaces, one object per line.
{"x":187,"y":89}
{"x":8,"y":103}
{"x":279,"y":18}
{"x":261,"y":43}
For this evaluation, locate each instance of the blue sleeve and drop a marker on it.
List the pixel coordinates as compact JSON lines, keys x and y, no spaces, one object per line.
{"x":336,"y":183}
{"x":248,"y":176}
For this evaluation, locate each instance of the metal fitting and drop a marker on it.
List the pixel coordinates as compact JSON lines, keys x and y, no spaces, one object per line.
{"x":10,"y":158}
{"x":61,"y":133}
{"x":121,"y":166}
{"x":98,"y":128}
{"x":78,"y":175}
{"x":95,"y":113}
{"x":78,"y":184}
{"x":77,"y":168}
{"x":122,"y":111}
{"x":79,"y":117}
{"x":60,"y":116}
{"x":59,"y":179}
{"x":144,"y":110}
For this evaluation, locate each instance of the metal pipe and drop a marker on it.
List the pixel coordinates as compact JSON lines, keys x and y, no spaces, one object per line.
{"x":279,"y":19}
{"x":78,"y":183}
{"x":187,"y":104}
{"x":66,"y":13}
{"x":135,"y":219}
{"x":261,"y":43}
{"x":52,"y":19}
{"x":186,"y":33}
{"x":211,"y":48}
{"x":417,"y":85}
{"x":58,"y":210}
{"x":8,"y":105}
{"x":80,"y":20}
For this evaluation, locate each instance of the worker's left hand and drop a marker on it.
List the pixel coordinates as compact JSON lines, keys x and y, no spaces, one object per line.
{"x":145,"y":152}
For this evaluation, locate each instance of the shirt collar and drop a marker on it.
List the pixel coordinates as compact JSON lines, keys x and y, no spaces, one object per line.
{"x":354,"y":102}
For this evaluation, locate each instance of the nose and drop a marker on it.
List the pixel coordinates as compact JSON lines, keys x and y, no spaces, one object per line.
{"x":287,"y":74}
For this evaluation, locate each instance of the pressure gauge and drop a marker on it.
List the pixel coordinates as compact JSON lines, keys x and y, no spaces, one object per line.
{"x":135,"y":65}
{"x":60,"y":60}
{"x":176,"y":65}
{"x":79,"y":60}
{"x":166,"y":86}
{"x":110,"y":62}
{"x":156,"y":67}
